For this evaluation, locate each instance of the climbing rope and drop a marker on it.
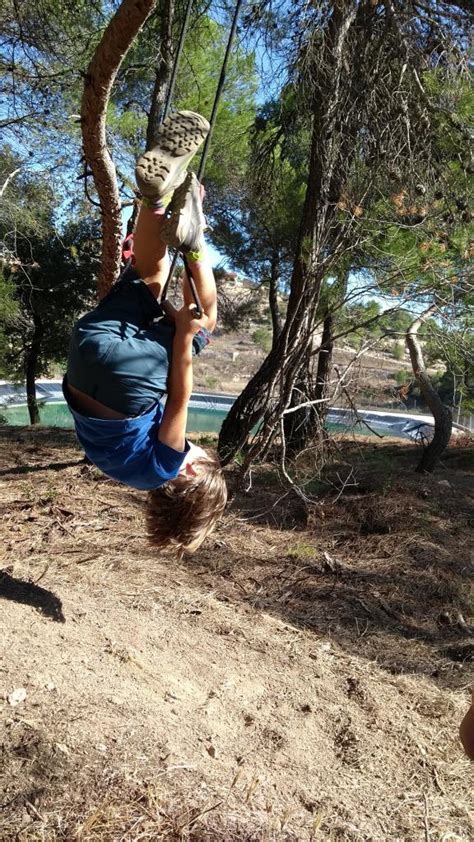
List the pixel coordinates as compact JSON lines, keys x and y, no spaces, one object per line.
{"x":177,"y":59}
{"x":212,"y":122}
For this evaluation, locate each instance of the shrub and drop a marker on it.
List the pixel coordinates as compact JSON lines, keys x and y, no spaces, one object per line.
{"x":398,"y":351}
{"x":263,"y":338}
{"x":402,"y":376}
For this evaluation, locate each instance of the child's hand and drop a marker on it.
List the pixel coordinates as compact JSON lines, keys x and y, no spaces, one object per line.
{"x":185,"y":319}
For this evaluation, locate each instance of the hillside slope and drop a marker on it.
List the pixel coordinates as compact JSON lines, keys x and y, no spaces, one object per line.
{"x":232,"y":358}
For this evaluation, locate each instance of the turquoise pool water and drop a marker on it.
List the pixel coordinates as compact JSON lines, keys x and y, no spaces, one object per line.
{"x":58,"y":415}
{"x":200,"y":420}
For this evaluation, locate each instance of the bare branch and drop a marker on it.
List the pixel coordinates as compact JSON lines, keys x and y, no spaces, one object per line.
{"x":441,"y":414}
{"x":8,"y":179}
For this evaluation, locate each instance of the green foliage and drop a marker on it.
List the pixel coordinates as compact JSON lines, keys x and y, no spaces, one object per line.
{"x":196,"y":85}
{"x":48,"y":273}
{"x":260,"y":227}
{"x":421,"y":231}
{"x":369,"y":322}
{"x":9,"y":311}
{"x":403,"y":376}
{"x":46,"y":47}
{"x":8,"y":305}
{"x":397,"y":322}
{"x":398,"y":351}
{"x":453,"y":345}
{"x":262,"y":336}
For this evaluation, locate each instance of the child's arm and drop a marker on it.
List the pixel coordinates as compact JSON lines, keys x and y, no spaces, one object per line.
{"x":180,"y":381}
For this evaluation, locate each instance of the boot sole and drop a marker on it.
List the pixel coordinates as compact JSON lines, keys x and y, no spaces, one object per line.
{"x":162,"y":169}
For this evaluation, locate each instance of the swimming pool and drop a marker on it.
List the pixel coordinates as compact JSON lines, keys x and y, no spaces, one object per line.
{"x":56,"y":414}
{"x":208,"y":410}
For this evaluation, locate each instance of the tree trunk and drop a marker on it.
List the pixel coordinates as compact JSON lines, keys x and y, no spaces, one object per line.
{"x":163,"y":73}
{"x":273,"y":296}
{"x":31,"y":359}
{"x":299,"y":425}
{"x":305,"y":426}
{"x":441,"y":414}
{"x":324,"y":369}
{"x":100,"y":76}
{"x":280,"y":370}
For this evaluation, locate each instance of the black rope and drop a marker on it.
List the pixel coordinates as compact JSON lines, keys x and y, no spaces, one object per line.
{"x":177,"y":58}
{"x":205,"y":151}
{"x":220,"y":87}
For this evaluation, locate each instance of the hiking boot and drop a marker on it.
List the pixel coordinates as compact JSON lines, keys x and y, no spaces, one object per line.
{"x":161,"y":170}
{"x":184,"y":223}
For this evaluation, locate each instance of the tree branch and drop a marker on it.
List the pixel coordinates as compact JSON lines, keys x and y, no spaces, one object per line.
{"x":441,"y":414}
{"x":7,"y":181}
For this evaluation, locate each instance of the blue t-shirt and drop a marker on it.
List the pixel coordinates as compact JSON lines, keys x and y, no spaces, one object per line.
{"x":128,"y":449}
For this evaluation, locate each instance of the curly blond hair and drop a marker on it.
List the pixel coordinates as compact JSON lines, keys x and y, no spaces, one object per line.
{"x":184,"y":511}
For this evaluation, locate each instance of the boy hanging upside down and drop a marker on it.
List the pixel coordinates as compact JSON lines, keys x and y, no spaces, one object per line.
{"x":122,"y":361}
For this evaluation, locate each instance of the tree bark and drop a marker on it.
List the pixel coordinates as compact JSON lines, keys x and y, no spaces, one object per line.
{"x":305,"y":426}
{"x":442,"y":415}
{"x":324,"y":368}
{"x":299,"y":424}
{"x":100,"y":76}
{"x":31,"y":360}
{"x":163,"y":73}
{"x":273,"y":296}
{"x":322,"y":375}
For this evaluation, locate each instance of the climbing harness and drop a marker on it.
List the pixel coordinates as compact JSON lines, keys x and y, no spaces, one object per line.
{"x":212,"y":121}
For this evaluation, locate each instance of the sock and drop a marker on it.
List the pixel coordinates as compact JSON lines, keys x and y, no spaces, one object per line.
{"x":157,"y":205}
{"x":127,"y":249}
{"x":195,"y":256}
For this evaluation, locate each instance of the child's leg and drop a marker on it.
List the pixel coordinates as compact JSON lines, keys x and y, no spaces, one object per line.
{"x":152,"y":264}
{"x":159,"y":172}
{"x":183,"y":228}
{"x":151,"y":256}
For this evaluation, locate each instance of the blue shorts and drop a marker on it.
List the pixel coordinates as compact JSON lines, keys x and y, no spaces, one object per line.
{"x":119,"y":354}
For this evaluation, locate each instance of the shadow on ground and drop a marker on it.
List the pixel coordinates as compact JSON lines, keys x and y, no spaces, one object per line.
{"x":33,"y":469}
{"x":385,"y":569}
{"x":29,"y":593}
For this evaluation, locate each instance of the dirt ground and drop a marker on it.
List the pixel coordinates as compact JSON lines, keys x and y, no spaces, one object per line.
{"x":302,"y":677}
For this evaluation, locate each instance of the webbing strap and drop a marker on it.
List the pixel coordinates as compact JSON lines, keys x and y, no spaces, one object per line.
{"x":192,"y":287}
{"x":190,"y":279}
